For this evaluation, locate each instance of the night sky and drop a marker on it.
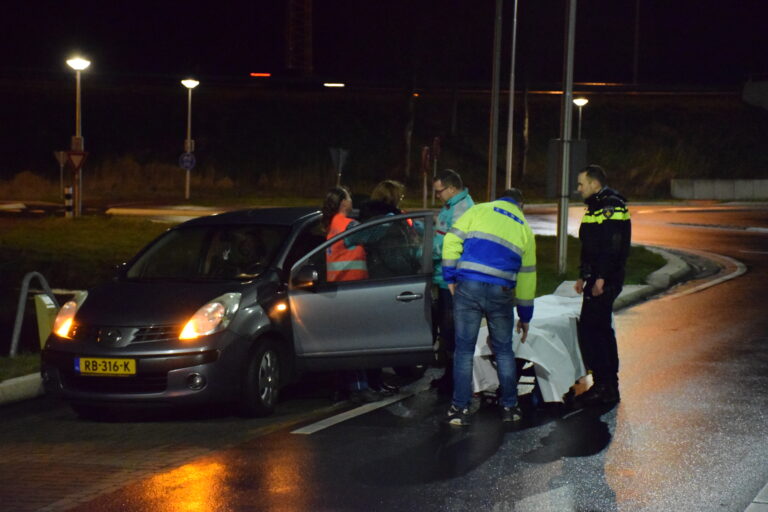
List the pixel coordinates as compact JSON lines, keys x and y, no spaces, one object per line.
{"x":707,"y":43}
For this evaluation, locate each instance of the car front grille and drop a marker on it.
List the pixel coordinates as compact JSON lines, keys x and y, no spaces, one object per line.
{"x":124,"y":336}
{"x":156,"y":333}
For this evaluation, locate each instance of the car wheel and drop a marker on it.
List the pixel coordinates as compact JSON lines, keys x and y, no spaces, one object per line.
{"x":261,"y":381}
{"x":411,"y":372}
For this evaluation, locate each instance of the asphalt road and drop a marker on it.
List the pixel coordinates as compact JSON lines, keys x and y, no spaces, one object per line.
{"x":689,"y":433}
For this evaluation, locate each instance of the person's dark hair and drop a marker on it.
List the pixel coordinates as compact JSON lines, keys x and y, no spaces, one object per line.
{"x":389,"y":192}
{"x":515,"y":194}
{"x":596,"y":172}
{"x":333,"y":199}
{"x":450,"y":178}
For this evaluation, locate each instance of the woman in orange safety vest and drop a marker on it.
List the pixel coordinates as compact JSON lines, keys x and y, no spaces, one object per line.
{"x":343,"y":263}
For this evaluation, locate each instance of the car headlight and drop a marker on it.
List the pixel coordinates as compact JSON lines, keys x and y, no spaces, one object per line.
{"x":211,"y":318}
{"x":65,"y":319}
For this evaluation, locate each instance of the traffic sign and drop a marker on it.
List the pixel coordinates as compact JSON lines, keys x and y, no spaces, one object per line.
{"x":187,"y":161}
{"x":61,"y":157}
{"x":76,"y":159}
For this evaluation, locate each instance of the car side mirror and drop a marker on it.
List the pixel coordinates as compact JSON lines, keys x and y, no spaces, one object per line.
{"x":306,"y":277}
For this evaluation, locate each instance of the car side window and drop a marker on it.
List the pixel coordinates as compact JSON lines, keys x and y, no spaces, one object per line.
{"x":309,"y":238}
{"x":385,"y":250}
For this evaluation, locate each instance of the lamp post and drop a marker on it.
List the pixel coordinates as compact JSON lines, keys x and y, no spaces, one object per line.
{"x":189,"y":144}
{"x":78,"y":143}
{"x":580,"y":102}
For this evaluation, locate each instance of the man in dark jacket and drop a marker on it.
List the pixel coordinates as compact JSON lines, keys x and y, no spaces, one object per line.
{"x":605,"y":234}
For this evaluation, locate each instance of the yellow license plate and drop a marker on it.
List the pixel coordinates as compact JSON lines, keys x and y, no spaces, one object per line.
{"x":104,"y":366}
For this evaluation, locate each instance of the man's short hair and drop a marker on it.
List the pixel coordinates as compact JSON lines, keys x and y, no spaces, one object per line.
{"x":450,"y":178}
{"x":515,"y":194}
{"x":596,"y":172}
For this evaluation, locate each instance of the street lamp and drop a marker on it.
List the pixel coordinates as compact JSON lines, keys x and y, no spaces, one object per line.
{"x":78,"y":64}
{"x":78,"y":144}
{"x":189,"y":144}
{"x":580,"y":102}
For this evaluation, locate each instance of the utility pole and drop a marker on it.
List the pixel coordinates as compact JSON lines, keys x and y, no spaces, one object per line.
{"x":566,"y":120}
{"x":494,"y":142}
{"x":511,"y":116}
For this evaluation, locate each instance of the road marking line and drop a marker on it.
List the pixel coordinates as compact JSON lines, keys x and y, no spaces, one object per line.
{"x":353,"y":413}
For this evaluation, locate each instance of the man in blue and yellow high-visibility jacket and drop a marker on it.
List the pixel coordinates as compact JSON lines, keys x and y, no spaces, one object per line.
{"x":489,"y":263}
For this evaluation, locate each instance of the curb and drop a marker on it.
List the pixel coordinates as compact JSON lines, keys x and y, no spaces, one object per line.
{"x":673,"y":272}
{"x":21,"y":388}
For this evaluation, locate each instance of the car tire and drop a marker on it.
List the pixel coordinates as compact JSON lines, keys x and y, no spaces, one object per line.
{"x":411,"y":372}
{"x":261,"y":380}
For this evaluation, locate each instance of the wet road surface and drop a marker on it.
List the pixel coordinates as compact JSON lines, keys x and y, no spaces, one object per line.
{"x":689,"y":434}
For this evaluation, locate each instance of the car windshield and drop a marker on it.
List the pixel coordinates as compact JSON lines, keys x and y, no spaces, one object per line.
{"x":210,"y":252}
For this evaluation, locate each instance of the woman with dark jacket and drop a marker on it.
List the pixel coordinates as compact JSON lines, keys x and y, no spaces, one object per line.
{"x":390,"y":250}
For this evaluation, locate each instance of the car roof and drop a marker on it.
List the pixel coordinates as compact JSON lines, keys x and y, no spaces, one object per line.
{"x":275,"y":216}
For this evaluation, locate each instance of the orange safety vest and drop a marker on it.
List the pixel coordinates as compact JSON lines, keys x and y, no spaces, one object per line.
{"x":344,"y":263}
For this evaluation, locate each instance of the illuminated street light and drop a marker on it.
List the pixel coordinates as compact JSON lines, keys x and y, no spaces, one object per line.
{"x":580,"y":102}
{"x":78,"y":64}
{"x":189,"y":144}
{"x":334,"y":84}
{"x":78,"y":143}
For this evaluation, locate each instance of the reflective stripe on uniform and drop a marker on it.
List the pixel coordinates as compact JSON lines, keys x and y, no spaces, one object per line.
{"x":496,"y":239}
{"x":485,"y":269}
{"x":528,"y":268}
{"x":336,"y":266}
{"x":459,"y":233}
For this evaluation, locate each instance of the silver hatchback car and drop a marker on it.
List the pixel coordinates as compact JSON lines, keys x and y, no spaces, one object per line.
{"x":230,"y":307}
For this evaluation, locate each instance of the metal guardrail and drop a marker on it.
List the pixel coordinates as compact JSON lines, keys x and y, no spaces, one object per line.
{"x":23,"y":303}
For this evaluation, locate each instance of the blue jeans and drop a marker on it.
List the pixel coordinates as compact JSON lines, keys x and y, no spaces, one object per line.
{"x":472,"y":301}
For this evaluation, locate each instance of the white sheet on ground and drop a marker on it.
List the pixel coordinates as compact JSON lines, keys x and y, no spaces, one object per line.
{"x":552,"y":346}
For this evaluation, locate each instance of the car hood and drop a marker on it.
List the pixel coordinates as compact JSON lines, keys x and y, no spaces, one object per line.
{"x":135,"y":304}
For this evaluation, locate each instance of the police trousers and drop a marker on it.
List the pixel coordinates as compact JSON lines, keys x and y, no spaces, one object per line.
{"x":597,"y":338}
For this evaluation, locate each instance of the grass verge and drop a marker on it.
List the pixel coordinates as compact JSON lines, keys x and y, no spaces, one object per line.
{"x":21,"y":364}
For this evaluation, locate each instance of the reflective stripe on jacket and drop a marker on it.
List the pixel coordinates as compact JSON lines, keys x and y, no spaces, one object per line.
{"x":452,"y":211}
{"x":605,"y":234}
{"x":493,"y":243}
{"x":344,"y":263}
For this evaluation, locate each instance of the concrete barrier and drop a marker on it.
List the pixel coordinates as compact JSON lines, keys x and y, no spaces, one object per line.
{"x":723,"y":190}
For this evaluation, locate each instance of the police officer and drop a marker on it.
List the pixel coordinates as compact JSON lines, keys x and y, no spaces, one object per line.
{"x":605,"y":234}
{"x":489,"y":263}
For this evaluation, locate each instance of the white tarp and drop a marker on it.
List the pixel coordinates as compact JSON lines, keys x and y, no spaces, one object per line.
{"x":552,"y":346}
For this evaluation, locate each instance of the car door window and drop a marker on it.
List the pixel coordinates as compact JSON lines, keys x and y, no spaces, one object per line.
{"x":381,"y":250}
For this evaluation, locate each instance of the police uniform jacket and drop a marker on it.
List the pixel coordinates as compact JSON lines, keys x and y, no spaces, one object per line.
{"x":605,"y":235}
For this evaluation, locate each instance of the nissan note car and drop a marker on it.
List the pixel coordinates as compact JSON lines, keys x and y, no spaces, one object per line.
{"x":230,"y":307}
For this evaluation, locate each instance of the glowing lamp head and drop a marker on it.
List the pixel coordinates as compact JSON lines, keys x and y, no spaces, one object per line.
{"x":78,"y":63}
{"x":580,"y":102}
{"x":190,"y":83}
